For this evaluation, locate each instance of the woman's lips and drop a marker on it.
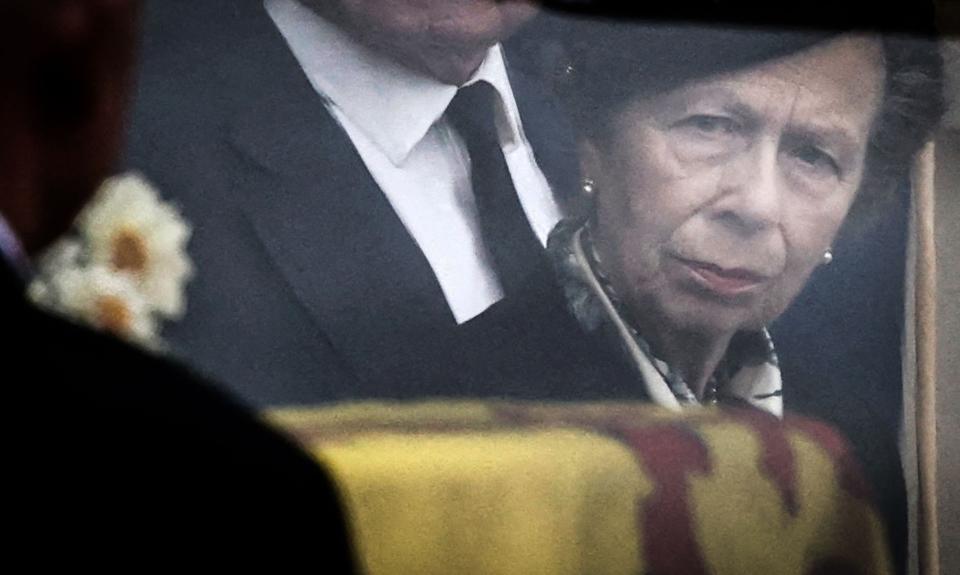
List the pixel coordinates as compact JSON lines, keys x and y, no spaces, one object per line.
{"x":725,"y":282}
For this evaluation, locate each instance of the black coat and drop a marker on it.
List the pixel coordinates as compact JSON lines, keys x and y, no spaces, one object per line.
{"x":120,"y":455}
{"x":840,"y":347}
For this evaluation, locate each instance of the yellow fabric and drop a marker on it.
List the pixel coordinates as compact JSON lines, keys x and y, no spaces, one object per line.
{"x":564,"y":489}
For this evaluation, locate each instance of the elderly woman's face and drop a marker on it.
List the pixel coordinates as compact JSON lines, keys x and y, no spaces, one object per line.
{"x":718,"y":199}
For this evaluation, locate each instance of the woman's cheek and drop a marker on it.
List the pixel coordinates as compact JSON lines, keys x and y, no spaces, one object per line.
{"x":787,"y":287}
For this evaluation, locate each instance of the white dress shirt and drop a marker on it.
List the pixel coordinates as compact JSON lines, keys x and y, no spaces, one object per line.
{"x":394,"y":117}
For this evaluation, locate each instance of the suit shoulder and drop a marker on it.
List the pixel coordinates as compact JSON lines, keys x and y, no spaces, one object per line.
{"x":79,"y":362}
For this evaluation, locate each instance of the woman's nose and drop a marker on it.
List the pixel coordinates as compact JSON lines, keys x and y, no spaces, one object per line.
{"x":750,"y":195}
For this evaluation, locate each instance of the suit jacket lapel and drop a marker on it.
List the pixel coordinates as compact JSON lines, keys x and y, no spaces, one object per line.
{"x":324,"y":221}
{"x":550,"y":133}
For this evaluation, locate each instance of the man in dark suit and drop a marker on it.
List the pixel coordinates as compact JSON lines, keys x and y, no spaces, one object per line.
{"x":343,"y":239}
{"x":115,"y":454}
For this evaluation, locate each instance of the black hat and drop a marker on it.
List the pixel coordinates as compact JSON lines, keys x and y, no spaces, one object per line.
{"x":914,"y":17}
{"x":613,"y":52}
{"x":656,"y":56}
{"x":617,"y":50}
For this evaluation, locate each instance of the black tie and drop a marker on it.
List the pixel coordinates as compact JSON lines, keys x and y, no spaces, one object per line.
{"x":516,"y":251}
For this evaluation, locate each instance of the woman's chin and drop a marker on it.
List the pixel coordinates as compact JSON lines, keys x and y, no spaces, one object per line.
{"x":706,"y":316}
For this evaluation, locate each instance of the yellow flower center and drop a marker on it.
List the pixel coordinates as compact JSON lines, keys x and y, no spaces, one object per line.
{"x":129,"y":251}
{"x":113,"y":315}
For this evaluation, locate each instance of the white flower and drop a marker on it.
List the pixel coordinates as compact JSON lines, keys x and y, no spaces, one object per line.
{"x":128,"y":229}
{"x":39,"y":292}
{"x":124,"y":268}
{"x":106,"y":300}
{"x":63,"y":254}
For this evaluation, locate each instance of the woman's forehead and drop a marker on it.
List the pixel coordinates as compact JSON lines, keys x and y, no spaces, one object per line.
{"x":830,"y":81}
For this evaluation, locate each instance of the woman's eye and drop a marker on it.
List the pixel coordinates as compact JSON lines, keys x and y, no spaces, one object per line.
{"x":711,"y":125}
{"x":703,"y":137}
{"x":817,"y":159}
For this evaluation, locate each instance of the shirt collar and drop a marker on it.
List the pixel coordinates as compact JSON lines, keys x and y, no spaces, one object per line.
{"x":392,"y":105}
{"x":13,"y":252}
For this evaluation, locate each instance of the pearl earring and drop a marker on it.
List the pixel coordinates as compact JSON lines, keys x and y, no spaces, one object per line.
{"x":588,"y":186}
{"x":827,"y":256}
